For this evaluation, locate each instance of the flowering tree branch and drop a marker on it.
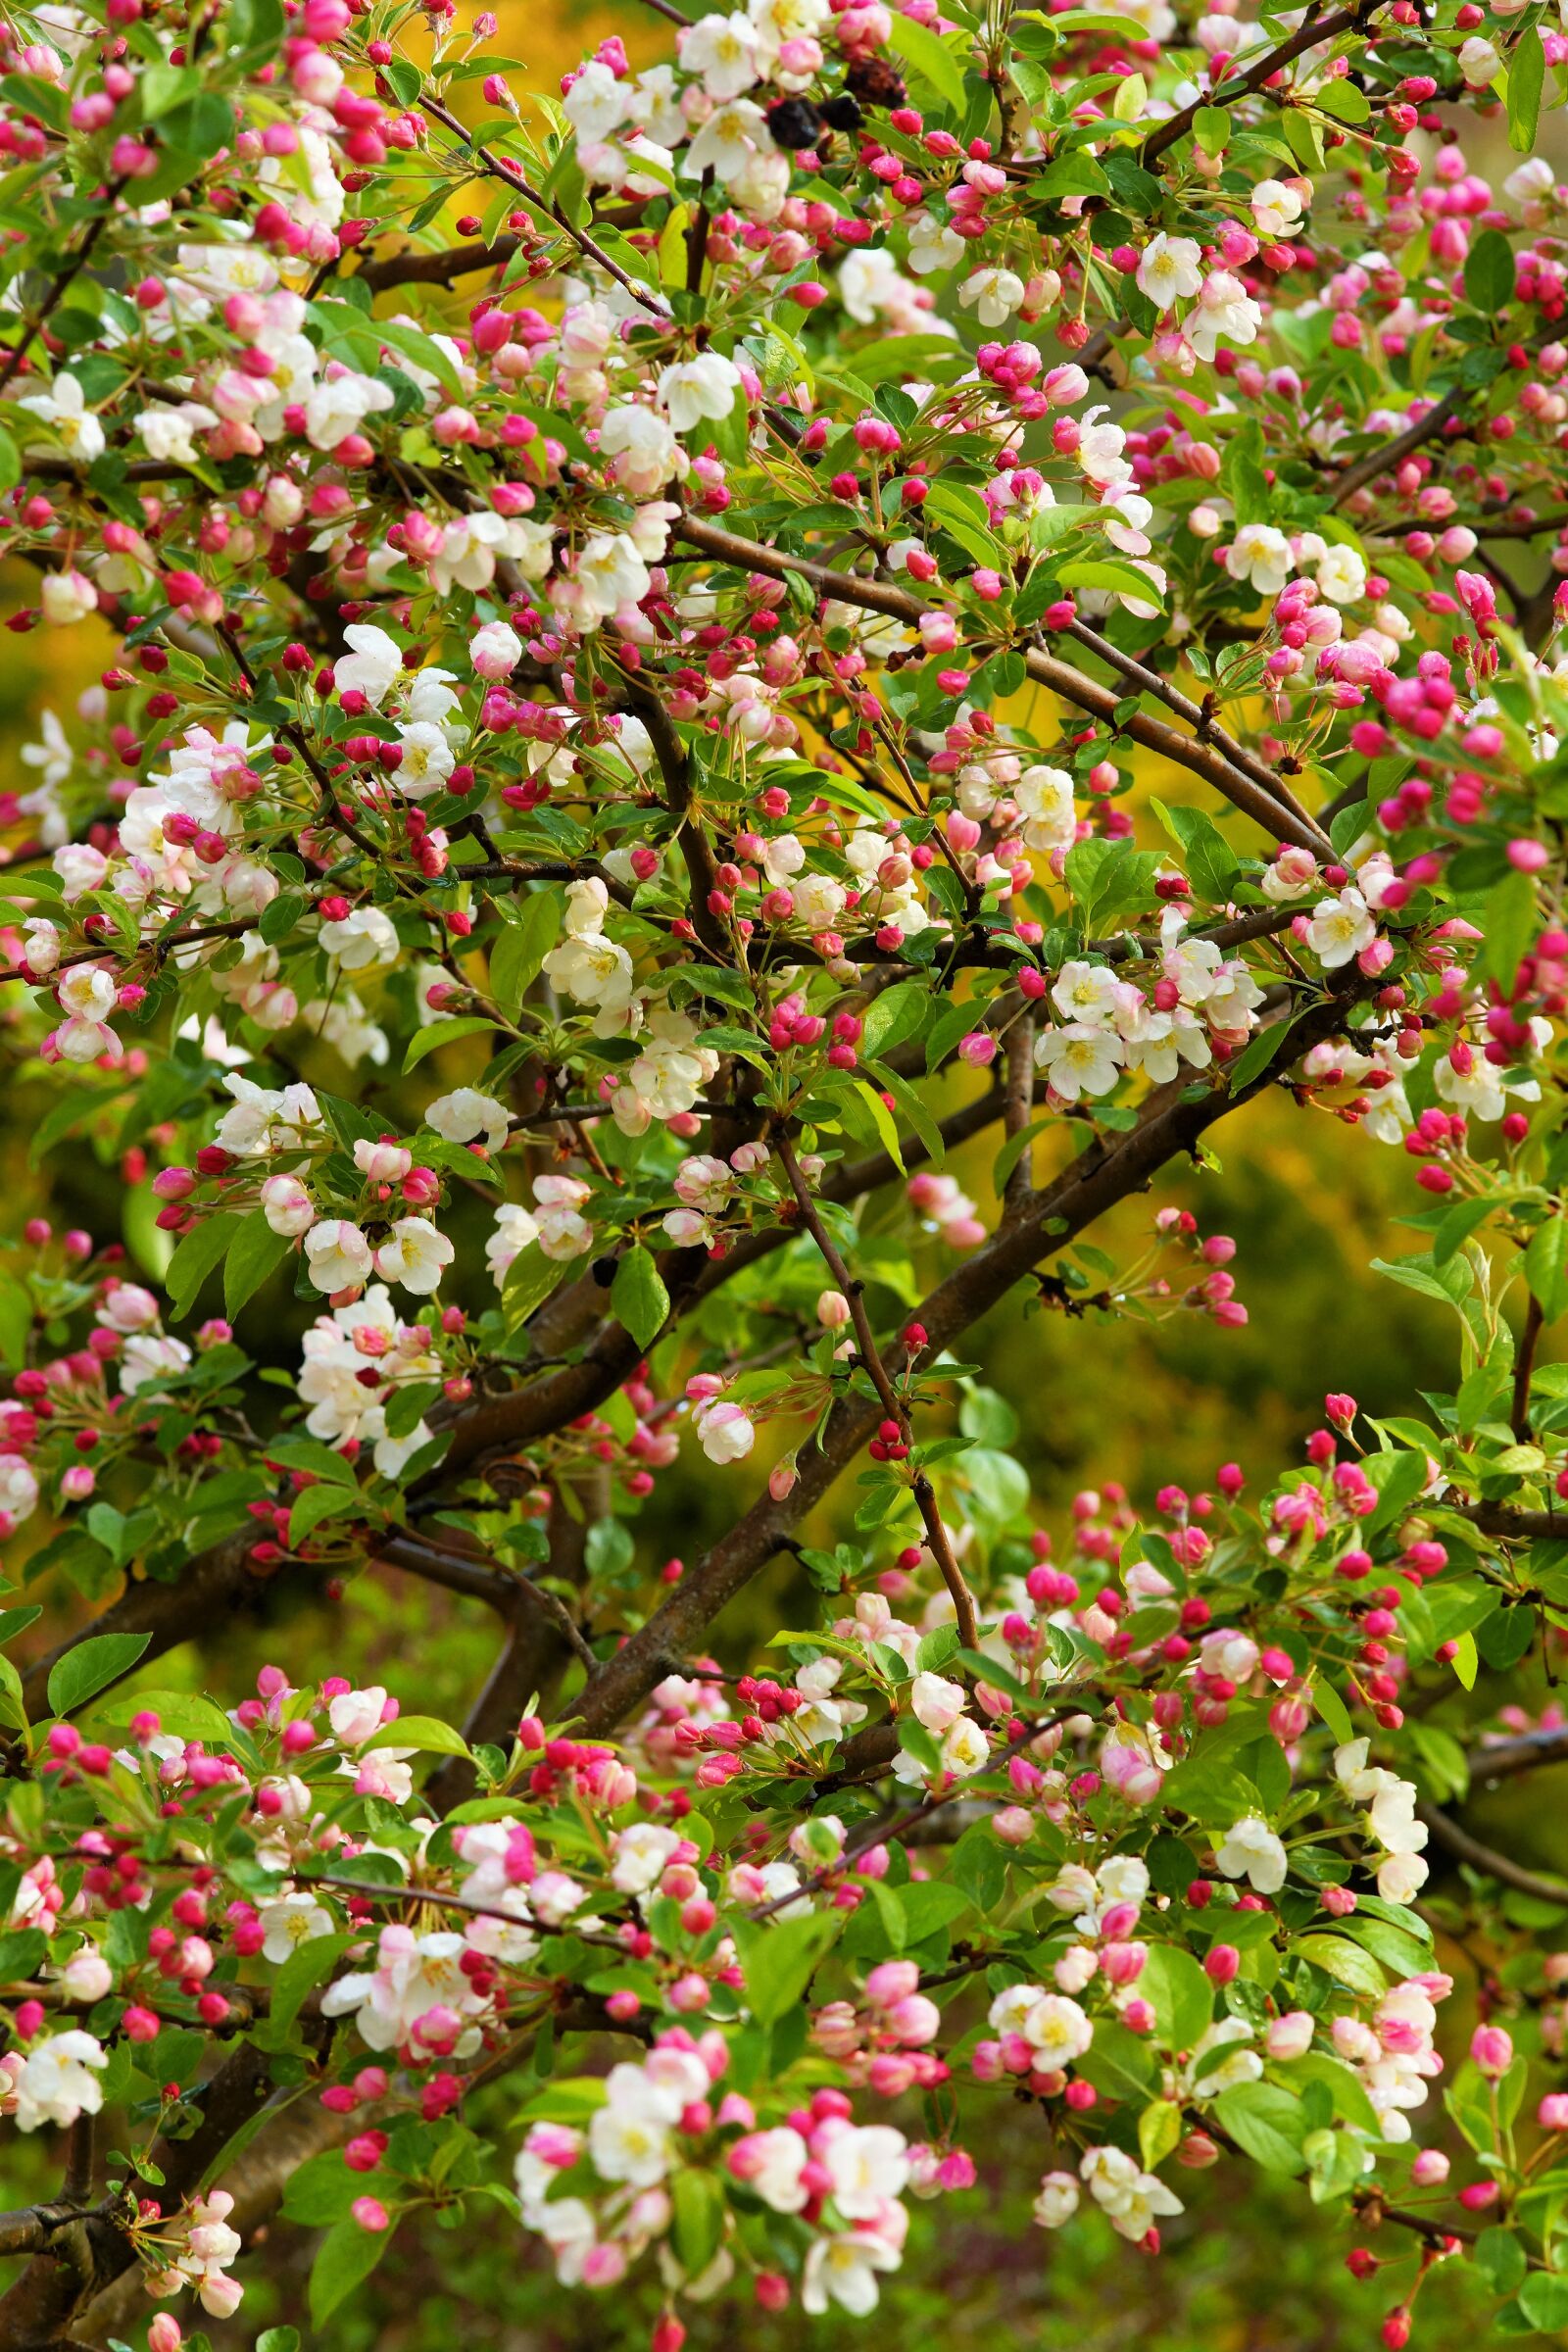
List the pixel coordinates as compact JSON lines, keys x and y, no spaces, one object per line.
{"x":568,"y":874}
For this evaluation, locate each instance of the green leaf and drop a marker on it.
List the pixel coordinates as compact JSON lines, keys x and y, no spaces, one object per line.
{"x":1116,"y":579}
{"x":1267,"y":2121}
{"x":1344,"y":2085}
{"x":894,"y":1017}
{"x":253,"y":1253}
{"x":1527,"y":77}
{"x":23,"y":1952}
{"x":1489,"y":272}
{"x":1331,"y":1706}
{"x":198,"y":127}
{"x":186,"y":1713}
{"x":1543,"y":2300}
{"x":1449,"y":1284}
{"x":442,"y":1033}
{"x":530,"y":1279}
{"x":1243,"y":471}
{"x":882,"y":1120}
{"x":638,"y":1296}
{"x":16,"y":1323}
{"x":1213,"y":865}
{"x":309,"y":1453}
{"x":929,"y":1906}
{"x":425,"y":352}
{"x":345,"y":2259}
{"x":1160,"y":2131}
{"x":913,"y":1108}
{"x":1345,"y":1962}
{"x":699,"y":2202}
{"x":1344,"y":101}
{"x":732,"y":432}
{"x":1399,"y":1479}
{"x":427,"y":1734}
{"x":1501,"y":2259}
{"x":1510,"y":919}
{"x":318,"y":1503}
{"x":961,"y":511}
{"x":1182,"y":1996}
{"x":1546,"y":1266}
{"x":778,"y":1958}
{"x":926,"y":356}
{"x":1211,"y":128}
{"x":519,"y":955}
{"x":1120,"y":2064}
{"x":1254,"y":1058}
{"x":1457,"y":1226}
{"x":931,"y":60}
{"x":1070,"y":175}
{"x":90,"y":1666}
{"x":308,"y":1966}
{"x":1304,"y":138}
{"x":1108,"y":880}
{"x":1504,"y":1637}
{"x":1336,"y":2159}
{"x":1013,"y":1150}
{"x":198,"y":1253}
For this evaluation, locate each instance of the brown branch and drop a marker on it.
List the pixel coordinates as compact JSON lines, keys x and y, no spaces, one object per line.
{"x":1371,"y":2209}
{"x":222,"y":1583}
{"x":1486,"y":526}
{"x":1248,"y":85}
{"x":1019,"y":1110}
{"x":1072,"y":685}
{"x":1503,"y":1759}
{"x":875,"y":1834}
{"x":87,"y":2252}
{"x":1390,"y":454}
{"x":1486,"y":1858}
{"x":413,"y":268}
{"x":466,"y":1572}
{"x":893,"y":1404}
{"x":63,"y":279}
{"x":1524,"y":1366}
{"x":1508,"y":1525}
{"x":511,"y":175}
{"x":46,"y":467}
{"x":76,"y":2187}
{"x":1204,"y":726}
{"x":541,"y":1635}
{"x":1095,"y":1182}
{"x":25,"y":2232}
{"x":696,"y":851}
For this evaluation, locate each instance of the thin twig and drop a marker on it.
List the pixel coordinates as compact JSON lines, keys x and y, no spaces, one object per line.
{"x":1501,"y":1867}
{"x":1060,"y":677}
{"x":511,"y":175}
{"x":1248,"y":85}
{"x":893,"y":1404}
{"x":1524,"y":1366}
{"x":72,"y":270}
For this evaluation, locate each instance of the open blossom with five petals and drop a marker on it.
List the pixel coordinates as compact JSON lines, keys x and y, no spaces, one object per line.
{"x":1170,"y":269}
{"x":59,"y":2080}
{"x":1250,"y":1850}
{"x":1340,"y":928}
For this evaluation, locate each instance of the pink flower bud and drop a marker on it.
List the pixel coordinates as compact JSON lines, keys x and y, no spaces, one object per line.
{"x":1492,"y":2048}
